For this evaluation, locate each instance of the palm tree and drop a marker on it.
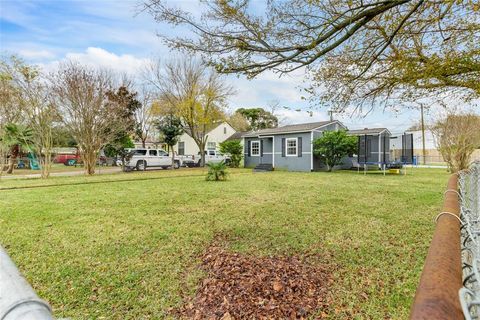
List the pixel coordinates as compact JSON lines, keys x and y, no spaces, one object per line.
{"x":15,"y":137}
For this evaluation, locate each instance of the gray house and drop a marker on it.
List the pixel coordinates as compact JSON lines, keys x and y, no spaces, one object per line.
{"x":288,"y":147}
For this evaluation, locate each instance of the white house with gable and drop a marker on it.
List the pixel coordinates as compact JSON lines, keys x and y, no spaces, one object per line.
{"x":187,"y":146}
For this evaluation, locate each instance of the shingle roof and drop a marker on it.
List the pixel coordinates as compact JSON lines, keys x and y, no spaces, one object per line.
{"x":302,"y":127}
{"x":236,"y":136}
{"x":367,"y":131}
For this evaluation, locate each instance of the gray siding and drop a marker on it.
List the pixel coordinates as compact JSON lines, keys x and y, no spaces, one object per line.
{"x":265,"y":154}
{"x":306,"y":162}
{"x":294,"y":163}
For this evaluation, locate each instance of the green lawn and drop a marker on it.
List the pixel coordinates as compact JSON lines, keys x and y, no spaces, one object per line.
{"x":127,"y":248}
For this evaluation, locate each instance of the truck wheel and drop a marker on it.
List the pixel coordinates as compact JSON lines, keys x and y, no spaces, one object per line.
{"x":176,"y":165}
{"x":141,"y":165}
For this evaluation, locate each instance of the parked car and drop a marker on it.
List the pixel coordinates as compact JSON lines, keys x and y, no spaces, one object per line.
{"x":72,"y":159}
{"x":142,"y":159}
{"x":211,"y":156}
{"x":68,"y":159}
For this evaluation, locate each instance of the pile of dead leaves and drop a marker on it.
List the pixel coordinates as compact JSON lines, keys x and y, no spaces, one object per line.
{"x":245,"y":287}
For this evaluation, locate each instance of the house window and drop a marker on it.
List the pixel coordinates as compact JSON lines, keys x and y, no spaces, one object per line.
{"x":224,"y":130}
{"x":291,"y":146}
{"x":255,"y":148}
{"x":211,"y":145}
{"x":181,"y":148}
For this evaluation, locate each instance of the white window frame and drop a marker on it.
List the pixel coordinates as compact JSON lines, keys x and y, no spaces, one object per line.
{"x":183,"y":143}
{"x":214,"y":145}
{"x":251,"y":148}
{"x":296,"y":147}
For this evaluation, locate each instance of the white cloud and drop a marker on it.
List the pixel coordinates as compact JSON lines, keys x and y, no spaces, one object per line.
{"x":36,"y":54}
{"x":101,"y":58}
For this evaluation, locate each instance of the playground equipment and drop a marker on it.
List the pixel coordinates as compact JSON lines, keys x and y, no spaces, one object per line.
{"x":34,"y":164}
{"x":374,"y":150}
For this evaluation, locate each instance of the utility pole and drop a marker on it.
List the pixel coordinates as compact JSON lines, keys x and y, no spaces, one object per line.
{"x":424,"y":152}
{"x":331,"y":112}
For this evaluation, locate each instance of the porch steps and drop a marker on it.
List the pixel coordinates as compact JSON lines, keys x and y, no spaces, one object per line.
{"x":263,"y":167}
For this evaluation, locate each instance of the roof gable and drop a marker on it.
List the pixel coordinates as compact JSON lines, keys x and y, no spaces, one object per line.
{"x":301,"y":127}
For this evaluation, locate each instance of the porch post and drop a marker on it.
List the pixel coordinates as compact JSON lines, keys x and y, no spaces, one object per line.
{"x":273,"y":151}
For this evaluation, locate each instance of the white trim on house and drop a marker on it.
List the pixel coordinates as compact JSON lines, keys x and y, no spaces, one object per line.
{"x":311,"y":148}
{"x":273,"y":151}
{"x":251,"y":148}
{"x":296,"y":147}
{"x":303,"y":152}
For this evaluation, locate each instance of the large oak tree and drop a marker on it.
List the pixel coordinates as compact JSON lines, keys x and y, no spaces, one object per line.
{"x":363,"y":50}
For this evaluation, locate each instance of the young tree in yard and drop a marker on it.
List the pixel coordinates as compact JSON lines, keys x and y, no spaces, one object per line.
{"x":15,"y":138}
{"x":457,"y":136}
{"x":234,"y":149}
{"x":36,"y":107}
{"x":128,"y":105}
{"x":196,"y":94}
{"x":81,"y":93}
{"x":171,"y":128}
{"x":333,"y":146}
{"x":217,"y":171}
{"x":144,"y":117}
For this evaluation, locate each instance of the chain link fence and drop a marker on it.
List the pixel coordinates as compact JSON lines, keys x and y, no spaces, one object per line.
{"x":469,"y":194}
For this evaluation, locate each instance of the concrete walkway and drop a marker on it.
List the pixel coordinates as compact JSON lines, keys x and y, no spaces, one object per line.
{"x":62,"y":174}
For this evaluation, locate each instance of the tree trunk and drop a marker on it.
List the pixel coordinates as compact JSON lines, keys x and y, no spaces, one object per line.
{"x":89,"y":160}
{"x":14,"y":151}
{"x":173,"y":157}
{"x":45,"y":164}
{"x":143,"y":142}
{"x":202,"y":155}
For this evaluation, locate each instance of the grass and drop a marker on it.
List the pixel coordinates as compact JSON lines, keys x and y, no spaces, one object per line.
{"x":119,"y":249}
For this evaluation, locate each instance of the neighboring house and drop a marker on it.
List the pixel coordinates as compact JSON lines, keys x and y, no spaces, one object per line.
{"x":373,"y":145}
{"x":187,"y":146}
{"x":288,"y":147}
{"x":149,"y":144}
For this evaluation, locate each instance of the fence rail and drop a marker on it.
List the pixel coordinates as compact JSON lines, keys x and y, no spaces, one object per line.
{"x":18,"y":301}
{"x":437,"y":293}
{"x":449,"y":286}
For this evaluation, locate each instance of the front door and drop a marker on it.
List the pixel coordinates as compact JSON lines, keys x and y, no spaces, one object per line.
{"x":266,"y":148}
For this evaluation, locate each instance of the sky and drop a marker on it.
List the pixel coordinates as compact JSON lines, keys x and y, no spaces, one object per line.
{"x":114,"y":34}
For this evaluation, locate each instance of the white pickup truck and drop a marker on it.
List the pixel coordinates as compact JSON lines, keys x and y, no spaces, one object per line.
{"x":211,"y":156}
{"x":142,"y":159}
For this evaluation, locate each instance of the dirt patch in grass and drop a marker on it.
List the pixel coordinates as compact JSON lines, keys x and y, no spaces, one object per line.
{"x":239,"y":286}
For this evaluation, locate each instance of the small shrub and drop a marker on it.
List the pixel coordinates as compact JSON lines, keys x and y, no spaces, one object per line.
{"x":233,"y":148}
{"x":217,"y":171}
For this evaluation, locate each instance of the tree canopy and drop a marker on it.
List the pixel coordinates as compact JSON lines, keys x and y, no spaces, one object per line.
{"x":258,"y":118}
{"x":333,"y":146}
{"x":360,"y":51}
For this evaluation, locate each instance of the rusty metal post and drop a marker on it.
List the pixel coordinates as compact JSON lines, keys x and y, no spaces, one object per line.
{"x":437,"y":293}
